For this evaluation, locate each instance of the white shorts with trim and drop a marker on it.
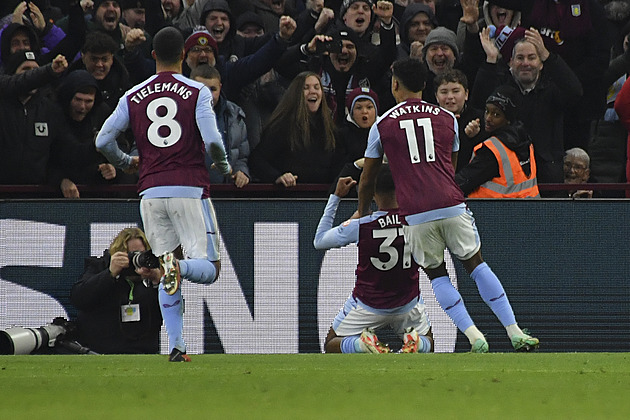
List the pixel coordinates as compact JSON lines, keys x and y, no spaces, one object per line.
{"x":189,"y":222}
{"x":429,"y":240}
{"x":352,"y":319}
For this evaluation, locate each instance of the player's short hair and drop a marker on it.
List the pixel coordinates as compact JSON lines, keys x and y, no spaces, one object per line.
{"x":451,"y":76}
{"x":97,"y":42}
{"x":384,"y":181}
{"x":168,"y":45}
{"x":411,"y":72}
{"x":205,"y":71}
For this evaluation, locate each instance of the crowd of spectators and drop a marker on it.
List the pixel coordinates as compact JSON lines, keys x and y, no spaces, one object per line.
{"x":285,"y":74}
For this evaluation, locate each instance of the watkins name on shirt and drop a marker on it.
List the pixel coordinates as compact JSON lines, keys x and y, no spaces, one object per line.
{"x":415,"y":109}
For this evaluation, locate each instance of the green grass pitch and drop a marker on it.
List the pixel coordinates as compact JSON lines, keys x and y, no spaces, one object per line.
{"x":316,"y":386}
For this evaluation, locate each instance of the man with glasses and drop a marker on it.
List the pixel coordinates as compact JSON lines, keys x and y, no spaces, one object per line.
{"x":577,"y":171}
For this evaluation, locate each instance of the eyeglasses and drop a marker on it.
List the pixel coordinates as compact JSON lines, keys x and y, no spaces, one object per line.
{"x":575,"y":166}
{"x":198,"y":50}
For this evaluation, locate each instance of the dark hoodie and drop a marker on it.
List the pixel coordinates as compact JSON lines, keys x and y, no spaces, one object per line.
{"x":410,"y":11}
{"x":233,"y":46}
{"x":9,"y":32}
{"x":81,"y":157}
{"x":484,"y":166}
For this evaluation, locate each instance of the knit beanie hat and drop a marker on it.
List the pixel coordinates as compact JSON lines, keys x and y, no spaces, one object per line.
{"x":441,"y":35}
{"x":361,"y":93}
{"x":218,"y":5}
{"x":340,"y":33}
{"x":202,"y":38}
{"x":97,"y":4}
{"x":16,"y":59}
{"x":507,"y":99}
{"x":508,"y":4}
{"x":249,"y":17}
{"x":347,"y":3}
{"x":505,"y":38}
{"x":131,"y":4}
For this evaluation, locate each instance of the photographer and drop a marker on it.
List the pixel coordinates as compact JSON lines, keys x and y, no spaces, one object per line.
{"x":118,"y":305}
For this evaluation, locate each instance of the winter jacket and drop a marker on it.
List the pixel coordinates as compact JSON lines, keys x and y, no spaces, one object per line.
{"x":577,"y":31}
{"x":81,"y":157}
{"x":31,"y":136}
{"x":366,"y":71}
{"x":12,"y":85}
{"x":114,"y":85}
{"x":99,"y":297}
{"x":231,"y":124}
{"x":541,"y":110}
{"x":313,"y":165}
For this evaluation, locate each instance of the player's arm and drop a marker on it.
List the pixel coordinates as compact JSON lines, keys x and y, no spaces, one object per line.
{"x":455,"y":151}
{"x":106,"y":139}
{"x":207,"y":123}
{"x":326,"y":236}
{"x":371,"y":165}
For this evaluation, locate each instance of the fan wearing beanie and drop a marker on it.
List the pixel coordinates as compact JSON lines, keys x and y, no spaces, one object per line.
{"x":503,"y":166}
{"x":440,"y":54}
{"x":361,"y":113}
{"x":362,"y":110}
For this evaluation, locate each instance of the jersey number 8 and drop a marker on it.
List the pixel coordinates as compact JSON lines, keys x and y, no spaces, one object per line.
{"x":167,"y":120}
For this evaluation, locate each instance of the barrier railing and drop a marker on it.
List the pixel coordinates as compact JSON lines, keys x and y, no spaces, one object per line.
{"x":252,"y":190}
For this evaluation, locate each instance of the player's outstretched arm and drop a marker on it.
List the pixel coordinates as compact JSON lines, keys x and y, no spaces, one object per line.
{"x":367,"y":183}
{"x":326,"y":236}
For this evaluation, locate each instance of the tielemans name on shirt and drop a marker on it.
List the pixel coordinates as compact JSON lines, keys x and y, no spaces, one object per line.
{"x":181,"y":90}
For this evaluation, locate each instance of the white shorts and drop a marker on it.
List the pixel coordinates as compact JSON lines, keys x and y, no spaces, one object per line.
{"x":352,"y":319}
{"x":429,"y":240}
{"x":174,"y":221}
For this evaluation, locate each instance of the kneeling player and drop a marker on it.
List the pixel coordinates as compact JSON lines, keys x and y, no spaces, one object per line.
{"x":387,"y":291}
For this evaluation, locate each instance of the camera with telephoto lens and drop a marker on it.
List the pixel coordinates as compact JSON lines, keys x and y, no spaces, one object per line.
{"x":137,"y":260}
{"x":334,"y":46}
{"x":59,"y":333}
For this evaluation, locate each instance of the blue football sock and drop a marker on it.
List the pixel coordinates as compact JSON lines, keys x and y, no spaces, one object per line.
{"x":424,"y":345}
{"x":198,"y":271}
{"x":492,"y":293}
{"x":350,"y":344}
{"x":451,"y":302}
{"x":172,"y":309}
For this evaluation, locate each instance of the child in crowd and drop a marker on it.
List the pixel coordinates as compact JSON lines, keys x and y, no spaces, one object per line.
{"x":231,"y":123}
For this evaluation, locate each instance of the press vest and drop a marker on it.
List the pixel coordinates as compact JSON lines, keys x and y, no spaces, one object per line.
{"x":512,"y":181}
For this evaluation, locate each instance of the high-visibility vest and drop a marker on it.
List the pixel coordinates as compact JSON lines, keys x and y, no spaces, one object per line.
{"x":512,"y":181}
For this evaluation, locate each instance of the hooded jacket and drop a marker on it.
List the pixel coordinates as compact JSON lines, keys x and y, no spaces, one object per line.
{"x":484,"y":166}
{"x":233,"y":46}
{"x":31,"y":136}
{"x":410,"y":12}
{"x":81,"y":156}
{"x":231,"y":124}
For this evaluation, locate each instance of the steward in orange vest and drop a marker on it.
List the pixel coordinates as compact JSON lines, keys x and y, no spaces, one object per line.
{"x":503,"y":166}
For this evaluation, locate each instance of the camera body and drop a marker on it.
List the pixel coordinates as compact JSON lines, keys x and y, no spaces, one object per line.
{"x":139,"y":259}
{"x":334,"y":46}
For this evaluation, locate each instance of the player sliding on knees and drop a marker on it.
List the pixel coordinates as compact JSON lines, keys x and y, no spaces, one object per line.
{"x":386,"y":292}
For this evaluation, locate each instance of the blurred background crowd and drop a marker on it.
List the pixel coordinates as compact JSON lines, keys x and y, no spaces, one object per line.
{"x":297,"y":84}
